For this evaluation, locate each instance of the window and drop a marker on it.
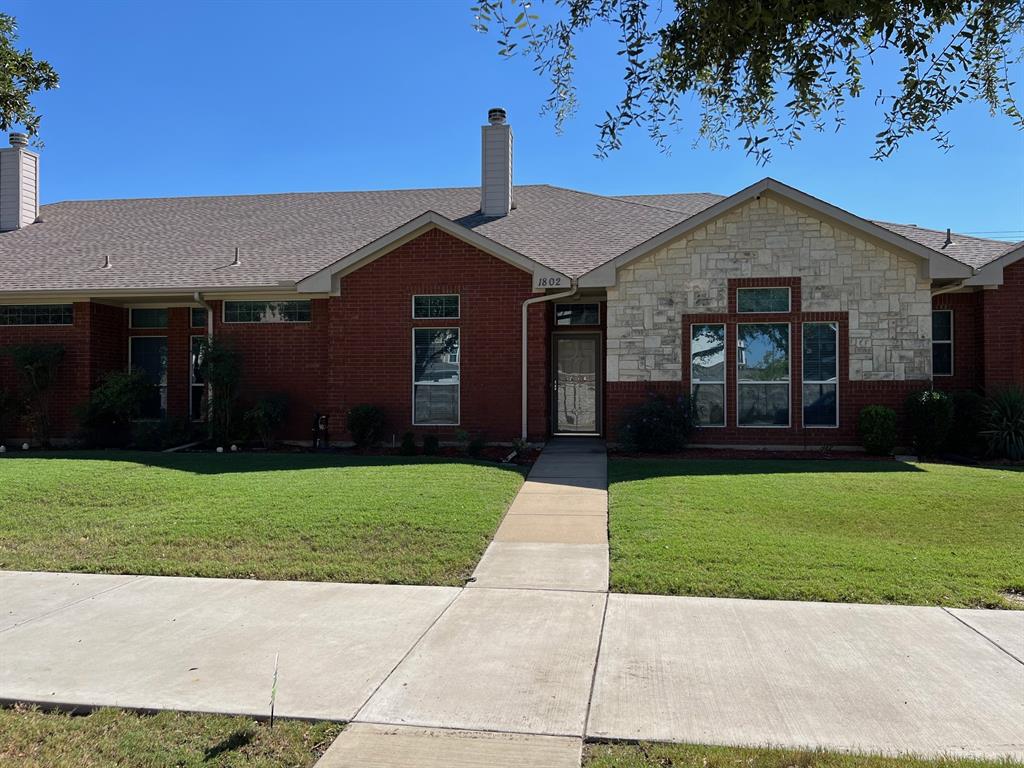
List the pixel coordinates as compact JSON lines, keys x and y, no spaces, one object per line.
{"x":266,"y":311}
{"x":707,"y":374}
{"x":37,"y":314}
{"x":444,"y":307}
{"x":435,"y":376}
{"x":942,"y":342}
{"x":578,"y":314}
{"x":198,"y":317}
{"x":149,"y":355}
{"x":762,"y":374}
{"x":197,"y":387}
{"x":821,"y":374}
{"x":762,"y":299}
{"x":145,"y":317}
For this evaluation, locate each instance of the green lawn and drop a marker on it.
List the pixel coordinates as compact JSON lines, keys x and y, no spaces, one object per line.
{"x":269,"y":516}
{"x":690,"y":756}
{"x":849,"y":531}
{"x":33,"y":739}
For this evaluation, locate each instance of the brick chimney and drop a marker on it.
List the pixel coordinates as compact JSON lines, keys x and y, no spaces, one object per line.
{"x":496,"y":166}
{"x":19,"y":184}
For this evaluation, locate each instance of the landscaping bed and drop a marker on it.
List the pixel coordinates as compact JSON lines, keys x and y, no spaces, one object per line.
{"x":30,"y":738}
{"x":847,"y":531}
{"x":319,"y":517}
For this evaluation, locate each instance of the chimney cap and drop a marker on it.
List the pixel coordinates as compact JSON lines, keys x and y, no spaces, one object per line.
{"x":496,"y":115}
{"x":18,"y":139}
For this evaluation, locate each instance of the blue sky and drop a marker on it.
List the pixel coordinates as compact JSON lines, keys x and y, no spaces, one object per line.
{"x":162,"y":99}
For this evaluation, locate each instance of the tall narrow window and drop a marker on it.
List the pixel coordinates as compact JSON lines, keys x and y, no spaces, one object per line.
{"x":435,"y":377}
{"x":942,"y":342}
{"x":762,"y":374}
{"x":707,"y":374}
{"x":197,"y":317}
{"x":149,"y":355}
{"x":197,"y":387}
{"x":821,"y":374}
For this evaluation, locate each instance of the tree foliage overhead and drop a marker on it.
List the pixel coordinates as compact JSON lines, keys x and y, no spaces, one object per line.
{"x":767,"y":70}
{"x":21,"y":75}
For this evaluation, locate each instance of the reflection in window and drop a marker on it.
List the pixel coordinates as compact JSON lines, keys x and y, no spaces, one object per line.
{"x":197,"y":387}
{"x":149,"y":355}
{"x":578,"y":314}
{"x":435,"y":376}
{"x":266,"y":311}
{"x":37,"y":314}
{"x":942,"y":342}
{"x":434,"y":307}
{"x":762,"y":371}
{"x":762,"y":299}
{"x":707,"y":374}
{"x":821,"y":374}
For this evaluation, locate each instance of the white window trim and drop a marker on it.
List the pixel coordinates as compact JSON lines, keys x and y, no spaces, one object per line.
{"x":789,"y":299}
{"x":576,"y":304}
{"x":458,"y":416}
{"x":808,"y":381}
{"x":165,"y":387}
{"x":725,"y":376}
{"x":788,"y":382}
{"x":952,"y":361}
{"x":191,"y":376}
{"x":224,"y":312}
{"x":456,"y":316}
{"x":43,"y":325}
{"x":133,"y":327}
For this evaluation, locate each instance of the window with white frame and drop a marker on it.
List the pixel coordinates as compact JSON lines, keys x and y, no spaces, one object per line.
{"x":762,"y":374}
{"x":435,"y":377}
{"x":148,"y":354}
{"x":762,"y":300}
{"x":707,"y":374}
{"x":942,"y":342}
{"x":37,"y":314}
{"x":435,"y":307}
{"x":821,"y":374}
{"x":196,"y":386}
{"x":267,"y":311}
{"x":578,"y":314}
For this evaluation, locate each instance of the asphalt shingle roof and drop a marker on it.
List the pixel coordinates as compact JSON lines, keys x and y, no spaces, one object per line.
{"x":188,"y":243}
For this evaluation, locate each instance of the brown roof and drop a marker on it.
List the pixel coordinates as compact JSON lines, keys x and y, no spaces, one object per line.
{"x":187,"y":243}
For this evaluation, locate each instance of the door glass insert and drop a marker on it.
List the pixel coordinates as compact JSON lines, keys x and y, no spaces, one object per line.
{"x":576,"y":384}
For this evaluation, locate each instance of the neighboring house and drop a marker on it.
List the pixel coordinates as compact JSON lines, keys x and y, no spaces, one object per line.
{"x":510,"y":311}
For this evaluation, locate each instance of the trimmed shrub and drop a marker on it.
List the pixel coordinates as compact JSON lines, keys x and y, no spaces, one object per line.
{"x":969,"y":419}
{"x":658,"y":425}
{"x":264,"y":419}
{"x":1005,"y":428}
{"x":106,"y":420}
{"x":408,"y":446}
{"x":37,"y":366}
{"x":876,"y":427}
{"x":930,"y":417}
{"x":366,"y":425}
{"x":431,"y":445}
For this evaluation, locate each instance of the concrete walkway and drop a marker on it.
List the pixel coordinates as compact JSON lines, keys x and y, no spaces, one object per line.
{"x":526,"y":662}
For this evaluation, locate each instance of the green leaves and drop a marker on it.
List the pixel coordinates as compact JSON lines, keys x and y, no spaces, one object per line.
{"x":23,"y":76}
{"x":765,"y":70}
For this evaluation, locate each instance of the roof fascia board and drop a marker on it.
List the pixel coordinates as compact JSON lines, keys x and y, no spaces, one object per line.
{"x":65,"y":295}
{"x":939,"y":265}
{"x":992,"y":273}
{"x":325,"y":280}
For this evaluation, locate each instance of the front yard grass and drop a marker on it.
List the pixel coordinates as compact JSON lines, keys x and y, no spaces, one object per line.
{"x":33,"y":739}
{"x":269,"y":516}
{"x":646,"y":755}
{"x":846,"y":531}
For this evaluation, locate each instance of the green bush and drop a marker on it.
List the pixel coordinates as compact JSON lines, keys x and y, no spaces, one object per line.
{"x":876,"y":427}
{"x":220,"y":366}
{"x":930,"y":417}
{"x":37,"y":366}
{"x":1005,"y":423}
{"x":365,"y":424}
{"x":264,"y":419}
{"x":8,"y":407}
{"x":106,"y":420}
{"x":408,"y":446}
{"x":431,"y":445}
{"x":162,"y":434}
{"x":969,"y":419}
{"x":476,"y":446}
{"x":658,"y":425}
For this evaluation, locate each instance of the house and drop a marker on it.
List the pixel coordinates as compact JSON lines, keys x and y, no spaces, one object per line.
{"x":510,"y":311}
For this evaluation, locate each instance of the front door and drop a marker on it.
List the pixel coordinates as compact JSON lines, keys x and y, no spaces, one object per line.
{"x":577,"y":383}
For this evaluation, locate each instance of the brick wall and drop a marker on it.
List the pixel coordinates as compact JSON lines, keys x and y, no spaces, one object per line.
{"x":1003,"y":312}
{"x":968,"y":340}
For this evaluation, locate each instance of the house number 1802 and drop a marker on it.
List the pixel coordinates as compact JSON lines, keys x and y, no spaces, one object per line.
{"x":549,"y":282}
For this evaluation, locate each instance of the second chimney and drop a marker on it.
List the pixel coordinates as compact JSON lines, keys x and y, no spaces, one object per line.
{"x":496,"y":165}
{"x":19,"y":184}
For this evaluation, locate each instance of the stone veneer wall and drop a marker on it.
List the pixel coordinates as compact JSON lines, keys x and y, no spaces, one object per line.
{"x":887,"y":296}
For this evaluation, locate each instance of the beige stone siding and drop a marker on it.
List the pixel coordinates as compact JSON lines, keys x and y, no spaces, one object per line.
{"x":886,"y":294}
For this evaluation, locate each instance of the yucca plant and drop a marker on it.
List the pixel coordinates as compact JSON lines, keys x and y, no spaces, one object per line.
{"x":1005,"y":432}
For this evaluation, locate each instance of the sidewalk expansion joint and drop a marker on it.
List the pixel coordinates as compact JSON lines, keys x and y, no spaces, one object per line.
{"x":597,"y":661}
{"x":132,"y":579}
{"x":986,"y":637}
{"x":504,"y":732}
